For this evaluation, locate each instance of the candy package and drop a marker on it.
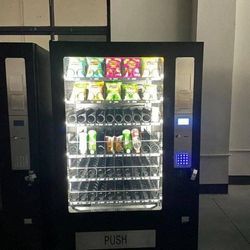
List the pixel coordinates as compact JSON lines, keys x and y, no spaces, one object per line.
{"x":75,"y":66}
{"x":113,"y":67}
{"x":131,"y":91}
{"x":113,"y":90}
{"x":79,"y":92}
{"x":118,"y":144}
{"x":149,"y":91}
{"x":95,"y":67}
{"x":150,"y":67}
{"x":95,"y":91}
{"x":131,"y":67}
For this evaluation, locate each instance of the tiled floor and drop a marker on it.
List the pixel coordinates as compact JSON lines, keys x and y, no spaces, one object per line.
{"x":225,"y":220}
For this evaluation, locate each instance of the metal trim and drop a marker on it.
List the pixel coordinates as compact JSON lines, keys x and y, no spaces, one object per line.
{"x":56,"y":30}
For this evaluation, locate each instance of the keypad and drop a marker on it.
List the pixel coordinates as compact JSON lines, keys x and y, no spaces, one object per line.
{"x":182,"y":159}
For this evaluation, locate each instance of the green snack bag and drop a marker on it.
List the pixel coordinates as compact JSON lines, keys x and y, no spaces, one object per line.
{"x":131,"y":91}
{"x":92,"y":141}
{"x":113,"y":91}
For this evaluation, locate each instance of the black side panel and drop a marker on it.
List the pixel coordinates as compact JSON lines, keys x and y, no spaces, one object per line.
{"x":20,"y":200}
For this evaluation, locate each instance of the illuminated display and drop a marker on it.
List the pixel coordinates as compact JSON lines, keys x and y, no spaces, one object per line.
{"x":183,"y":121}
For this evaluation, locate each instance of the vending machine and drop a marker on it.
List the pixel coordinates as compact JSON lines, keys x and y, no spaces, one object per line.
{"x":126,"y":145}
{"x":25,"y":110}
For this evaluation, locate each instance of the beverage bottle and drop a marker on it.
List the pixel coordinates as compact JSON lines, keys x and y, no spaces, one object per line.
{"x":127,"y":144}
{"x":136,"y":141}
{"x":83,"y":142}
{"x":92,"y":141}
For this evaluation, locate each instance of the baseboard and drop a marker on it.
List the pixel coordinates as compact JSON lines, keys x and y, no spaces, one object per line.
{"x":213,"y":188}
{"x":239,"y":180}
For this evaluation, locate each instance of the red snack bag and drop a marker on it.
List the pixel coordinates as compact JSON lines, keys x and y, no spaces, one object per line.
{"x":131,"y":67}
{"x":113,"y":67}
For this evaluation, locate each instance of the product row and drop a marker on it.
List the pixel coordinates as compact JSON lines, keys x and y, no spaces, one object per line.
{"x":130,"y":141}
{"x":111,"y":162}
{"x":110,"y":116}
{"x":111,"y":91}
{"x":114,"y":172}
{"x":113,"y":67}
{"x":129,"y":196}
{"x":105,"y":186}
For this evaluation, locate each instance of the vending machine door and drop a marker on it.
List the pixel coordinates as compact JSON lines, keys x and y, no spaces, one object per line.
{"x":114,"y":132}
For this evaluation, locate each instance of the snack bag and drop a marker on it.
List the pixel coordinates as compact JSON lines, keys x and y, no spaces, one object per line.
{"x":79,"y":92}
{"x":76,"y":66}
{"x":150,"y":67}
{"x":118,"y":144}
{"x":113,"y":91}
{"x":113,"y":67}
{"x":95,"y":91}
{"x":109,"y":140}
{"x":149,"y":92}
{"x":94,"y":67}
{"x":131,"y":91}
{"x":131,"y":67}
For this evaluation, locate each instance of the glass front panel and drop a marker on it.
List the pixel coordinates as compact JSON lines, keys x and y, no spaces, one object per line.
{"x":114,"y":125}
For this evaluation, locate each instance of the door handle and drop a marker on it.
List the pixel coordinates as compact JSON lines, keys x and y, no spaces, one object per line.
{"x":194,"y":175}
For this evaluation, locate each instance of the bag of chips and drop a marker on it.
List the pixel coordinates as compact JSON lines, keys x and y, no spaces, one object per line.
{"x":150,"y":67}
{"x":75,"y":66}
{"x":113,"y":67}
{"x":95,"y":67}
{"x":113,"y":90}
{"x":131,"y":67}
{"x":149,"y":91}
{"x":79,"y":92}
{"x":95,"y":91}
{"x":131,"y":91}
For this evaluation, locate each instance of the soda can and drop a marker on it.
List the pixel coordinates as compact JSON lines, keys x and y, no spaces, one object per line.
{"x":92,"y":141}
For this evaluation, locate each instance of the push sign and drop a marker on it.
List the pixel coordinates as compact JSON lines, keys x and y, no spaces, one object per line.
{"x":115,"y":240}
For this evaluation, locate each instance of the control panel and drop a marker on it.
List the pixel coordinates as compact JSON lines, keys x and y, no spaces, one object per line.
{"x":18,"y":113}
{"x":184,"y":85}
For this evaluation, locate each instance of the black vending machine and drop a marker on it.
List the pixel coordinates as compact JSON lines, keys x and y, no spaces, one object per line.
{"x":25,"y":111}
{"x":126,"y":146}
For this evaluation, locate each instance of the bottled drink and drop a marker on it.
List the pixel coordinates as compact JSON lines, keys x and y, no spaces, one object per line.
{"x":83,"y":142}
{"x":92,"y":141}
{"x":136,"y":141}
{"x":127,"y":144}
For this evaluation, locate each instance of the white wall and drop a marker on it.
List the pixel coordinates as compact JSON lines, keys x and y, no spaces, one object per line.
{"x":151,"y":20}
{"x":240,"y":109}
{"x":36,"y":13}
{"x":215,"y":26}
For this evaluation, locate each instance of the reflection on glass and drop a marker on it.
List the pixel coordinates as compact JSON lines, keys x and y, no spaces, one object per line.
{"x":114,"y":109}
